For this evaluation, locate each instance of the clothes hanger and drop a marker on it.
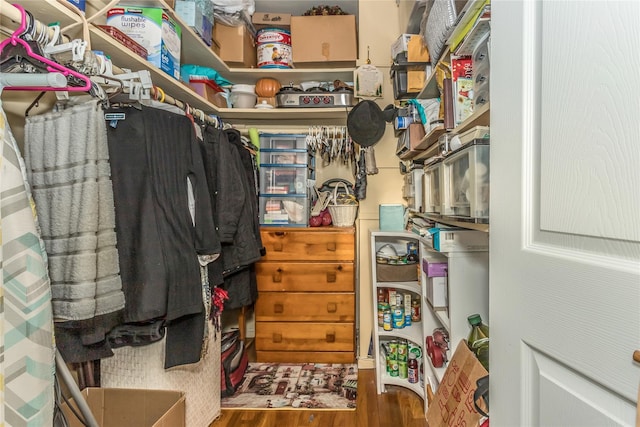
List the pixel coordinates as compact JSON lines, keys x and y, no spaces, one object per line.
{"x":50,"y":66}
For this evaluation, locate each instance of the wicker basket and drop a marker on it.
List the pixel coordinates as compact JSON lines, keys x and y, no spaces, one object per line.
{"x":342,"y":215}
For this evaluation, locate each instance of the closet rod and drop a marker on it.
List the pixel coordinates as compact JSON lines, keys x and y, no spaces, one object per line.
{"x":160,"y":95}
{"x":11,"y":12}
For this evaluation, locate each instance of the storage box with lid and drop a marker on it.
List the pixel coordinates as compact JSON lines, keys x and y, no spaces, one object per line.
{"x":433,"y":186}
{"x":412,"y":189}
{"x":467,"y":173}
{"x":283,"y":141}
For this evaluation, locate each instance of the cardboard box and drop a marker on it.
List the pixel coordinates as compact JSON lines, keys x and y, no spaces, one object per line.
{"x":271,"y":20}
{"x":318,"y":40}
{"x":459,"y":240}
{"x":152,"y":28}
{"x":237,"y":45}
{"x":409,"y":48}
{"x":194,"y":17}
{"x":434,"y":268}
{"x":437,"y":293}
{"x":119,"y":407}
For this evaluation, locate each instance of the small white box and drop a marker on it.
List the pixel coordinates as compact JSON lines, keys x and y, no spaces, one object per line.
{"x":437,"y":292}
{"x":459,"y":240}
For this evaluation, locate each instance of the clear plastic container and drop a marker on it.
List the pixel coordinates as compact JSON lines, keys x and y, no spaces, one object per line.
{"x":286,"y":211}
{"x":283,"y":141}
{"x":466,"y":173}
{"x":432,"y":187}
{"x":279,"y":179}
{"x":283,"y":157}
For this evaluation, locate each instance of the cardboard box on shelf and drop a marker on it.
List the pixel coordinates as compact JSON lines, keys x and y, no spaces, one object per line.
{"x":271,"y":20}
{"x":321,"y":40}
{"x":237,"y":45}
{"x":117,"y":407}
{"x":409,"y":48}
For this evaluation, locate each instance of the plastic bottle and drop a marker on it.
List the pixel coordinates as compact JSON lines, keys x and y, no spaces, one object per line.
{"x":413,"y":375}
{"x":478,"y":340}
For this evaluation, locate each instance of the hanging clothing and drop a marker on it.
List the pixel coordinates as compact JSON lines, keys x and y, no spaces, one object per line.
{"x":235,"y":205}
{"x":27,"y":350}
{"x":155,"y":159}
{"x":67,"y":162}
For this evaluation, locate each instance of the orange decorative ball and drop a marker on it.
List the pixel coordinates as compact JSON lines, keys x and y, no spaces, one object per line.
{"x":267,"y":87}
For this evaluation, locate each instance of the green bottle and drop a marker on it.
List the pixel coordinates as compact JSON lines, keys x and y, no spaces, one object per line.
{"x":478,"y":340}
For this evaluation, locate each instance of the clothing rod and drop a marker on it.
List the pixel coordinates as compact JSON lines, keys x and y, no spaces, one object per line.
{"x":160,"y":95}
{"x":53,"y":80}
{"x":14,"y":15}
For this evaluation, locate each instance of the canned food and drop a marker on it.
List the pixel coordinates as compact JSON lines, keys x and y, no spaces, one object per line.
{"x":393,"y":349}
{"x":403,"y":371}
{"x":387,"y":324}
{"x":393,"y":368}
{"x":398,"y":318}
{"x":403,"y":350}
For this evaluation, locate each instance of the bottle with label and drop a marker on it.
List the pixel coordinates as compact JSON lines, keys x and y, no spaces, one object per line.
{"x":413,"y":375}
{"x":478,"y":340}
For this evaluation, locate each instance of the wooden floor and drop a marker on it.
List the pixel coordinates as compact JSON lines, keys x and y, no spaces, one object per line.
{"x":398,"y":407}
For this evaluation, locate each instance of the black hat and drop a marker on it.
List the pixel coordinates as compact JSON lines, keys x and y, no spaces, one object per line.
{"x":390,"y":112}
{"x":365,"y":123}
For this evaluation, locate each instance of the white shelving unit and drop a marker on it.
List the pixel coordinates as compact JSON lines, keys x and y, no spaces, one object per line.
{"x":468,"y":293}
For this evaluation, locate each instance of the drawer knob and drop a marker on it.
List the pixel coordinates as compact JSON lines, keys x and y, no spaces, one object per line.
{"x":331,"y":276}
{"x":331,"y":337}
{"x":636,"y":356}
{"x":331,"y":246}
{"x":277,"y":246}
{"x":276,"y":337}
{"x":332,"y":307}
{"x":277,"y":276}
{"x":278,"y":308}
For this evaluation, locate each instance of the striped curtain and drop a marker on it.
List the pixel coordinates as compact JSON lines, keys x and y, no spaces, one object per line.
{"x":27,"y":355}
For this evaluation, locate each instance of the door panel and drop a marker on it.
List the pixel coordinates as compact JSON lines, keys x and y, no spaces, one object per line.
{"x":565,"y":203}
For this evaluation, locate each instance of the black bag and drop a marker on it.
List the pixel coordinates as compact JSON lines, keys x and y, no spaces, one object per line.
{"x":233,"y":363}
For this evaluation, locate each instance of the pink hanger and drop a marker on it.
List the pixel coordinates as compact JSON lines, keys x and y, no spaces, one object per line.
{"x":52,"y":66}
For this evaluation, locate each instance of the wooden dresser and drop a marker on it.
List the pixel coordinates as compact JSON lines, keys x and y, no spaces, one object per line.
{"x":306,"y":304}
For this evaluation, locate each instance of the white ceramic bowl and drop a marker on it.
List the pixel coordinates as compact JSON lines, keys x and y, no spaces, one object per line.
{"x":240,"y":99}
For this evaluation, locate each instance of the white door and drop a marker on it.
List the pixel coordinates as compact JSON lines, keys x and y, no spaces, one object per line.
{"x":565,"y":212}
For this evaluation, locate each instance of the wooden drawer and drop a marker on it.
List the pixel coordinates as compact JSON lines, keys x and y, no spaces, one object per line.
{"x":309,"y":244}
{"x":309,"y":277}
{"x":286,"y":336}
{"x":305,"y":307}
{"x":305,"y":357}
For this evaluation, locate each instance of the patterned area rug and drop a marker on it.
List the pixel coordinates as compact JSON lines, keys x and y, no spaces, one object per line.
{"x":296,"y":386}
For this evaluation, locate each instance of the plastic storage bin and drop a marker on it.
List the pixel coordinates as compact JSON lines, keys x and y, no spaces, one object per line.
{"x":283,"y":157}
{"x":432,"y":187}
{"x":467,"y":173}
{"x":286,"y":211}
{"x":283,"y":141}
{"x":278,"y":179}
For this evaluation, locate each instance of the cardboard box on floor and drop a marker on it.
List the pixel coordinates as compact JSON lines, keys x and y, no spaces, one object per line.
{"x":237,"y":45}
{"x":119,"y":407}
{"x":317,"y":41}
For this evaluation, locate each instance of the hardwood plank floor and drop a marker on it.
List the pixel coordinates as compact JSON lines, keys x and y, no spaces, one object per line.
{"x":398,"y":407}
